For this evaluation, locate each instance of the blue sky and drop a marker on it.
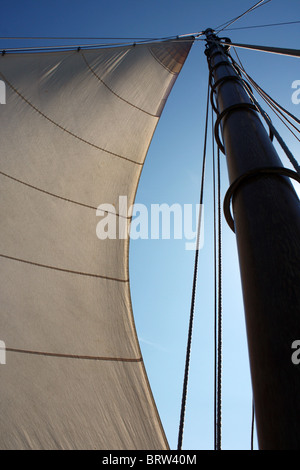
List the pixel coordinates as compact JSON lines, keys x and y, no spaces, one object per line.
{"x":161,"y":271}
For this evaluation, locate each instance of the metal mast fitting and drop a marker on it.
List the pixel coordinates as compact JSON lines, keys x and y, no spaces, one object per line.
{"x":266,"y":220}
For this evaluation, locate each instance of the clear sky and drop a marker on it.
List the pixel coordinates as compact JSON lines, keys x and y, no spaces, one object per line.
{"x":161,"y":271}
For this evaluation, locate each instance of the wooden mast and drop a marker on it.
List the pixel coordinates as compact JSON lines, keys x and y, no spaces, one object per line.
{"x":266,"y":215}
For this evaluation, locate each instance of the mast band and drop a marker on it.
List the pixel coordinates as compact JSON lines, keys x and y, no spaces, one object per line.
{"x":250,"y":174}
{"x":221,"y":80}
{"x":221,"y":115}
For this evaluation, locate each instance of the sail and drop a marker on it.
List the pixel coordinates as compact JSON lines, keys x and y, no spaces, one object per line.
{"x":75,"y":129}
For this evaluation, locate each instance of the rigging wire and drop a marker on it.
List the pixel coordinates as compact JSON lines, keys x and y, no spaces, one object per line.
{"x":80,"y":37}
{"x":278,"y":137}
{"x":192,"y":309}
{"x":100,"y":45}
{"x":277,"y":105}
{"x":144,"y":40}
{"x":219,"y":352}
{"x":215,"y":279}
{"x":94,"y":38}
{"x":252,"y":425}
{"x":264,"y":93}
{"x":262,"y":26}
{"x":217,"y":297}
{"x":106,"y":38}
{"x":275,"y":109}
{"x":230,"y":22}
{"x":267,"y":119}
{"x":278,"y":113}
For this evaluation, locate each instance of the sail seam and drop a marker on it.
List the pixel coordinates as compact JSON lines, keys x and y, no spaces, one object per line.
{"x":161,"y":63}
{"x":114,"y":93}
{"x":75,"y":356}
{"x":63,"y":269}
{"x":57,"y":196}
{"x":64,"y":129}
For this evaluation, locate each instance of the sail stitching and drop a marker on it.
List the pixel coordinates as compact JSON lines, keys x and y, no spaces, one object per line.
{"x":64,"y":129}
{"x":57,"y":196}
{"x":63,"y":269}
{"x":75,"y":356}
{"x":113,"y":92}
{"x":161,"y":63}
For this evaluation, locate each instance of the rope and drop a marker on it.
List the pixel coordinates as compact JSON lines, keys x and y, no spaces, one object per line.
{"x":217,"y":301}
{"x":276,"y":109}
{"x":81,"y":38}
{"x":252,"y":425}
{"x":73,"y":47}
{"x":272,"y":104}
{"x":215,"y":282}
{"x":264,"y":93}
{"x":230,"y":22}
{"x":262,"y":25}
{"x":140,"y":39}
{"x":219,"y":351}
{"x":278,"y":137}
{"x":192,"y":310}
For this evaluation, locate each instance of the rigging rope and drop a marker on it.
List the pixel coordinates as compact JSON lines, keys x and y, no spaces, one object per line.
{"x":264,"y":93}
{"x":272,"y":103}
{"x":262,"y":25}
{"x":230,"y":22}
{"x":252,"y":425}
{"x":217,"y":299}
{"x":278,"y":114}
{"x":96,"y":46}
{"x":190,"y":331}
{"x":215,"y":281}
{"x":219,"y":351}
{"x":146,"y":39}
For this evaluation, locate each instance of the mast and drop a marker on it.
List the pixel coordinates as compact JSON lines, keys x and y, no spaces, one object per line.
{"x":267,"y":226}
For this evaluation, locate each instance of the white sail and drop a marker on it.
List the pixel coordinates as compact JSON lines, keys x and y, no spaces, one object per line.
{"x":74,"y":131}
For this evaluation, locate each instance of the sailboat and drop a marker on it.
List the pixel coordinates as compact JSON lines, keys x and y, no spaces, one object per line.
{"x":76,"y":127}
